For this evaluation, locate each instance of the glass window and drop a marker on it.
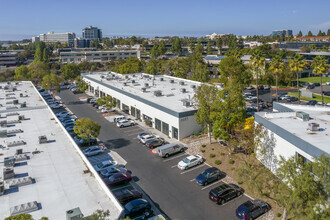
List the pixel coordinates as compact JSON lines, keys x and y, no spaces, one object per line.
{"x":175,"y":133}
{"x":158,"y":124}
{"x":165,"y":128}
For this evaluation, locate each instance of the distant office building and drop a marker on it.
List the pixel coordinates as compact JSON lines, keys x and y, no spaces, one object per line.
{"x":297,"y":45}
{"x":92,"y":33}
{"x":8,"y":58}
{"x":81,"y":42}
{"x":52,"y":37}
{"x":214,"y":36}
{"x":281,"y":32}
{"x":314,"y":38}
{"x":97,"y":56}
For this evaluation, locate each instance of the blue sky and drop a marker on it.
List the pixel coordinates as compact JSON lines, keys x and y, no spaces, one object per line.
{"x":25,"y":18}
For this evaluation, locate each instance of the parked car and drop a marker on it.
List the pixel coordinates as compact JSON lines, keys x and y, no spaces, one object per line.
{"x":252,"y":209}
{"x":82,"y":142}
{"x":118,"y":179}
{"x":261,"y":87}
{"x":55,"y":106}
{"x":316,"y":84}
{"x":311,"y":86}
{"x":136,"y":208}
{"x":125,"y":196}
{"x":327,"y":93}
{"x":209,"y":175}
{"x":311,"y":102}
{"x":125,"y":123}
{"x":118,"y":118}
{"x":249,"y":88}
{"x":190,"y":161}
{"x":155,"y":142}
{"x":93,"y":150}
{"x":327,"y":83}
{"x":139,"y":136}
{"x":95,"y":105}
{"x":291,"y":99}
{"x":224,"y":193}
{"x":104,"y":164}
{"x":283,"y":96}
{"x":69,"y":129}
{"x":144,"y":138}
{"x":267,"y":87}
{"x":169,"y":149}
{"x":109,"y":171}
{"x":62,"y":114}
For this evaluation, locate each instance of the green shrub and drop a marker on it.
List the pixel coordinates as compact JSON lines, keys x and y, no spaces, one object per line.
{"x":240,"y":182}
{"x":278,"y":214}
{"x":231,"y":161}
{"x":217,"y":162}
{"x":203,"y":145}
{"x":196,"y":134}
{"x":202,"y":150}
{"x":212,"y":155}
{"x":222,"y":154}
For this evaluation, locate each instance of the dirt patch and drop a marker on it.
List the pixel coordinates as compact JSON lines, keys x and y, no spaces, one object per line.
{"x":219,"y":156}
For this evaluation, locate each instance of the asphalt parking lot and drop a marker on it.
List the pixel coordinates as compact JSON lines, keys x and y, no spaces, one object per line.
{"x":173,"y":191}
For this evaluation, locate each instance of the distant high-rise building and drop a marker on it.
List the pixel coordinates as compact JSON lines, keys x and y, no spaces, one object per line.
{"x":52,"y":37}
{"x":92,"y":33}
{"x":281,"y":32}
{"x":81,"y":42}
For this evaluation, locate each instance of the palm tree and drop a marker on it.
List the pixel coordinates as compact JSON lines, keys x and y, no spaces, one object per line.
{"x":297,"y":64}
{"x":257,"y":61}
{"x":320,"y":66}
{"x":277,"y":66}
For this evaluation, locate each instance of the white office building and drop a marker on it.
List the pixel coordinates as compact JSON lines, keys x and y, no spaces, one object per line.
{"x":52,"y":37}
{"x":301,"y":131}
{"x":50,"y":178}
{"x":165,"y":102}
{"x":97,"y":56}
{"x":92,"y":33}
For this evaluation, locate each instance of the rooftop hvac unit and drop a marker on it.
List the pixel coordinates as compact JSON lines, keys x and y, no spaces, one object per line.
{"x":3,"y":133}
{"x":23,"y":105}
{"x":162,"y":79}
{"x":146,"y":84}
{"x":9,"y":161}
{"x":186,"y":103}
{"x":19,"y":151}
{"x":15,"y":143}
{"x":302,"y":115}
{"x":183,"y":90}
{"x":20,"y":157}
{"x":24,"y":208}
{"x":8,"y":173}
{"x":313,"y":126}
{"x":16,"y":83}
{"x":193,"y":86}
{"x":172,"y":81}
{"x":102,"y":77}
{"x":3,"y":124}
{"x":42,"y":139}
{"x":133,"y":75}
{"x":15,"y":102}
{"x":2,"y":188}
{"x":133,"y":81}
{"x":74,"y":214}
{"x":14,"y":89}
{"x":181,"y":83}
{"x":125,"y":84}
{"x":12,"y":113}
{"x":8,"y":83}
{"x":157,"y":93}
{"x":143,"y":89}
{"x":21,"y":117}
{"x":6,"y":87}
{"x":18,"y":182}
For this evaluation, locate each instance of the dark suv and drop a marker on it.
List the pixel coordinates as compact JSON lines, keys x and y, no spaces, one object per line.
{"x":152,"y":143}
{"x":252,"y":209}
{"x":224,"y":193}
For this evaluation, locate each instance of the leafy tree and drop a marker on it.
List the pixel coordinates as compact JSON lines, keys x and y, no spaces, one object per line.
{"x":192,"y":46}
{"x":201,"y":73}
{"x":23,"y":217}
{"x":161,"y":48}
{"x":99,"y":215}
{"x":258,"y":62}
{"x":219,"y":45}
{"x":305,"y":49}
{"x":154,"y":51}
{"x":309,"y":187}
{"x":51,"y":82}
{"x":230,"y":105}
{"x":205,"y":98}
{"x":86,"y":129}
{"x":328,"y":33}
{"x":320,"y":66}
{"x":320,"y":33}
{"x":176,"y":46}
{"x":39,"y":53}
{"x":82,"y":85}
{"x":70,"y":71}
{"x":310,"y":34}
{"x":107,"y":101}
{"x":209,"y":48}
{"x":37,"y":70}
{"x":45,"y":56}
{"x":95,"y":44}
{"x":300,"y":34}
{"x":22,"y":73}
{"x":277,"y":67}
{"x":297,"y":65}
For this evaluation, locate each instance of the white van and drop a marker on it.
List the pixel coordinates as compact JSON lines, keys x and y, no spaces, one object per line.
{"x":118,"y":118}
{"x":169,"y":149}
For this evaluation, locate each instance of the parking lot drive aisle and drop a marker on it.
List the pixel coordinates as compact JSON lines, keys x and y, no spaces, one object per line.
{"x":171,"y":189}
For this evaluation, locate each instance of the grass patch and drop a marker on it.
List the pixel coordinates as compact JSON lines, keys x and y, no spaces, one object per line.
{"x":318,"y":98}
{"x":231,"y":161}
{"x":203,"y":145}
{"x":315,"y":79}
{"x":202,"y":150}
{"x":217,"y":162}
{"x":222,"y":154}
{"x":212,"y":155}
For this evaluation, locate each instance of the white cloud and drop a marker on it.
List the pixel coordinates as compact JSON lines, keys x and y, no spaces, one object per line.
{"x":322,"y":26}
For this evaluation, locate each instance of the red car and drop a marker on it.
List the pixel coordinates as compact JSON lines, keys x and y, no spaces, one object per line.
{"x":118,"y":179}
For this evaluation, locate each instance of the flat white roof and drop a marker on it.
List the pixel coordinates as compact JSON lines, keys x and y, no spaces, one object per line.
{"x":171,"y":97}
{"x":299,"y":128}
{"x":60,"y":183}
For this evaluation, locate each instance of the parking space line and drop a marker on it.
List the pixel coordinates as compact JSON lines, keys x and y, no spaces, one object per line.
{"x":210,"y":185}
{"x":243,"y":193}
{"x":132,"y":130}
{"x":174,"y":157}
{"x":191,"y":169}
{"x":191,"y":180}
{"x":174,"y":166}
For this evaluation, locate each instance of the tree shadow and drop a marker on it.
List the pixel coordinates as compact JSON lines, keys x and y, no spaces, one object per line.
{"x":269,"y":159}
